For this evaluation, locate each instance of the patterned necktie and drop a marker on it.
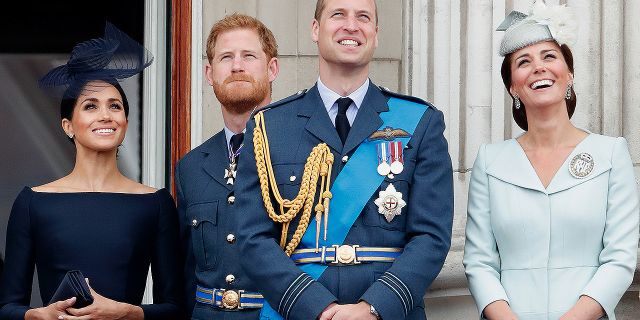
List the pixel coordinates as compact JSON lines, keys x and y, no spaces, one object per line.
{"x":342,"y":123}
{"x":236,"y":143}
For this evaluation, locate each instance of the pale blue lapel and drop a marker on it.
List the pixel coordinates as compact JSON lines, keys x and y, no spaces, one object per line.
{"x":511,"y":165}
{"x":601,"y":154}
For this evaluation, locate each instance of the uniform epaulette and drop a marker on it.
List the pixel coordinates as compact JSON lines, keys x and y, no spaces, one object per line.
{"x":278,"y":103}
{"x":388,"y":92}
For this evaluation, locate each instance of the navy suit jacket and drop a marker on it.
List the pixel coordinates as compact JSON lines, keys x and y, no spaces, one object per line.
{"x":206,"y":222}
{"x":294,"y":126}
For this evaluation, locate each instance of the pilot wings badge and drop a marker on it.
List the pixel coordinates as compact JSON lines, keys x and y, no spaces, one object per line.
{"x":389,"y":134}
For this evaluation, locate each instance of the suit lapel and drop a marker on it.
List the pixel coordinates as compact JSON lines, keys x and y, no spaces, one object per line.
{"x":216,"y":159}
{"x":511,"y":165}
{"x":319,"y":123}
{"x":368,"y":119}
{"x":563,"y":179}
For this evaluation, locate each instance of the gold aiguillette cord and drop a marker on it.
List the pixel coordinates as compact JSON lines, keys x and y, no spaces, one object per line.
{"x":318,"y":166}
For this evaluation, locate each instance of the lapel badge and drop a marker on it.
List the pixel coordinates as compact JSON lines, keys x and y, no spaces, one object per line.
{"x":390,"y":202}
{"x":389,"y":134}
{"x":581,"y":165}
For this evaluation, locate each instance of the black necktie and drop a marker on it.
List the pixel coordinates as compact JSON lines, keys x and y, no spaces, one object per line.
{"x":342,"y":123}
{"x":236,"y":143}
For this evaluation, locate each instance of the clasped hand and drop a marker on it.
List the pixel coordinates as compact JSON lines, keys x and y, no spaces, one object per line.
{"x":358,"y":311}
{"x":101,"y":309}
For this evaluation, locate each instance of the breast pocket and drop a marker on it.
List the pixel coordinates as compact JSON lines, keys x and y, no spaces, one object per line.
{"x":204,"y":233}
{"x":372,"y":215}
{"x":288,"y":178}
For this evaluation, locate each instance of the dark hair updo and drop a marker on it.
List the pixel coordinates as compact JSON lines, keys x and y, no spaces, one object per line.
{"x":70,"y":98}
{"x":520,"y":115}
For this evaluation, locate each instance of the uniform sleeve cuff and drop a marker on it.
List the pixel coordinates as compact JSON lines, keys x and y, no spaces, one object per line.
{"x":386,"y":301}
{"x":304,"y":298}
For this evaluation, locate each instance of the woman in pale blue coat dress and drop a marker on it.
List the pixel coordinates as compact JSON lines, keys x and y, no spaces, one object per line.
{"x":552,"y":229}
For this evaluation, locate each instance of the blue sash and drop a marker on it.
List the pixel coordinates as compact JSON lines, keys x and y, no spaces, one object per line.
{"x":354,"y":186}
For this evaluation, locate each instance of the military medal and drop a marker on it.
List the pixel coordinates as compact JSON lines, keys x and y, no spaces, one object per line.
{"x":581,"y":165}
{"x":230,"y":171}
{"x":390,"y":202}
{"x":383,"y":159}
{"x":397,"y":158}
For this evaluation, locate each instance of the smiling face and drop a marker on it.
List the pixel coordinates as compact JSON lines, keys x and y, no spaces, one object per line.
{"x":240,"y":71}
{"x":98,"y":121}
{"x":347,"y":33}
{"x":540,"y":75}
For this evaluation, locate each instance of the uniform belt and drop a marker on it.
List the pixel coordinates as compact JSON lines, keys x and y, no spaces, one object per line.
{"x":229,"y":299}
{"x":345,"y":255}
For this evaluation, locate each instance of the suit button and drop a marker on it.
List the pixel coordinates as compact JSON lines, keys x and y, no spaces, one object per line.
{"x":230,"y":278}
{"x":194,"y":222}
{"x":231,"y":238}
{"x":231,"y":199}
{"x":345,"y":159}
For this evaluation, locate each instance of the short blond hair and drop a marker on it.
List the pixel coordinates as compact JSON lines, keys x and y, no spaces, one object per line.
{"x":242,"y":21}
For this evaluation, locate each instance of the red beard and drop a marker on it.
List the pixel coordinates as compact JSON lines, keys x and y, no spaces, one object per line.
{"x":240,"y":98}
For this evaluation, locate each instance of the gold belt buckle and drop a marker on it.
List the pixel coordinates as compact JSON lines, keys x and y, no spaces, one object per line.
{"x":345,"y":254}
{"x":230,"y":299}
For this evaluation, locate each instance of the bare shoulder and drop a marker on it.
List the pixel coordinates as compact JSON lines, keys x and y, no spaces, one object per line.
{"x":137,"y":187}
{"x":60,"y":185}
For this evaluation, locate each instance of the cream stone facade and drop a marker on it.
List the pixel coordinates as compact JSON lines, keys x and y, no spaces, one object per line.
{"x":445,"y":51}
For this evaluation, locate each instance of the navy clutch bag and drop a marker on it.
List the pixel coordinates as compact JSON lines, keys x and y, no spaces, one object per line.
{"x":73,"y":285}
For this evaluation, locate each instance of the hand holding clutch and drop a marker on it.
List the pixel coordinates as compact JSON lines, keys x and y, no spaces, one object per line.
{"x":73,"y":285}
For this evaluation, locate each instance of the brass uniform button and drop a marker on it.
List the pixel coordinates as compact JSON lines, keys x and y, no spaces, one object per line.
{"x":231,"y":238}
{"x":194,"y":222}
{"x":345,"y":159}
{"x":230,"y":278}
{"x":292,"y":178}
{"x":231,"y":200}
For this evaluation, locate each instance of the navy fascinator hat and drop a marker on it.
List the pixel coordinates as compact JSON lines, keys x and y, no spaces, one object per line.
{"x":111,"y":58}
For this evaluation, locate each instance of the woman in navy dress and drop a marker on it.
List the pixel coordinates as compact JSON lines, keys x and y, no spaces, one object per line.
{"x":95,"y":219}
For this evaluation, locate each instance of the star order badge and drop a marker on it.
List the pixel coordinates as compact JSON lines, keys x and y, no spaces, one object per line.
{"x":390,"y":202}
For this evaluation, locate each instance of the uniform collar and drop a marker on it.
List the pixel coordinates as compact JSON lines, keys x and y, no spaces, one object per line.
{"x":329,"y":97}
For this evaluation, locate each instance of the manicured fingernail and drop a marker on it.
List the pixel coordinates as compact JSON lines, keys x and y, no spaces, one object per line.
{"x":60,"y":317}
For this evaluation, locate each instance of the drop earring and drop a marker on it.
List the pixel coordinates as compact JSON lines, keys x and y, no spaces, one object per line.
{"x":516,"y":101}
{"x":568,"y":94}
{"x":70,"y":135}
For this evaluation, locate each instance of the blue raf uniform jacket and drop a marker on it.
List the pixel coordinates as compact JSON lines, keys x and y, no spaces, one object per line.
{"x":208,"y":234}
{"x":294,"y":126}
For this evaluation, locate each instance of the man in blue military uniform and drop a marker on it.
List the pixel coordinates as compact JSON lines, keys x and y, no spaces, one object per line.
{"x":345,"y":193}
{"x":242,"y":64}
